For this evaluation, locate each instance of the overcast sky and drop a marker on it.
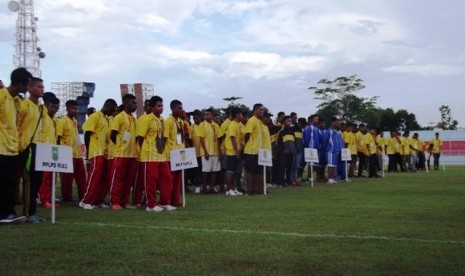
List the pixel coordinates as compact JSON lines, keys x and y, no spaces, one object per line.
{"x":410,"y":53}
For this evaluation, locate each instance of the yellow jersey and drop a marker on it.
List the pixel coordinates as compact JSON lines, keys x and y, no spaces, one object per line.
{"x":68,"y":133}
{"x":110,"y":145}
{"x":97,"y":125}
{"x":210,"y":132}
{"x":125,"y":125}
{"x":370,"y":141}
{"x":9,"y":107}
{"x":153,"y":148}
{"x":360,"y":140}
{"x":174,"y":134}
{"x":234,"y":130}
{"x":29,"y":114}
{"x":437,"y":145}
{"x":254,"y":127}
{"x":193,"y":134}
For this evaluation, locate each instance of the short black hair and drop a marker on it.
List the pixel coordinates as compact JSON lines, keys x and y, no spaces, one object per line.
{"x":20,"y":76}
{"x":175,"y":103}
{"x":235,"y":111}
{"x":54,"y":101}
{"x":361,"y":125}
{"x":70,"y":103}
{"x":154,"y":100}
{"x":257,"y":105}
{"x":48,"y":96}
{"x":334,"y":118}
{"x":210,"y":110}
{"x":128,"y":97}
{"x":110,"y":101}
{"x":196,"y":112}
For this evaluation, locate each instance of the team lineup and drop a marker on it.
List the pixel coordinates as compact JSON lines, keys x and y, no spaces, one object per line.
{"x":128,"y":158}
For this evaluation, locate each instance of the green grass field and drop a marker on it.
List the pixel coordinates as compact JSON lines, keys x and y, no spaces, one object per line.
{"x":404,"y":224}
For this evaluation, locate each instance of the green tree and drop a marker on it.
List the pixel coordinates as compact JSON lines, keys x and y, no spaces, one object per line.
{"x":339,"y":98}
{"x":447,"y":122}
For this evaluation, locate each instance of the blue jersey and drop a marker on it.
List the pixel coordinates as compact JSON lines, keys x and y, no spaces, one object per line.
{"x":311,"y":137}
{"x":332,"y":141}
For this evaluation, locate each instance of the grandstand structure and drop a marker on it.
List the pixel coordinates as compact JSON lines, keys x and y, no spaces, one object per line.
{"x":142,"y":91}
{"x":79,"y":91}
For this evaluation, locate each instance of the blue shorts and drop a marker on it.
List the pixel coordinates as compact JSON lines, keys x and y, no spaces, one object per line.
{"x":332,"y":159}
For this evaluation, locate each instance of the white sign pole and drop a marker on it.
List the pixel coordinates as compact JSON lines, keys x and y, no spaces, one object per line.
{"x":347,"y":172}
{"x":382,"y":162}
{"x":311,"y":169}
{"x":183,"y":191}
{"x":53,"y":196}
{"x":264,"y":180}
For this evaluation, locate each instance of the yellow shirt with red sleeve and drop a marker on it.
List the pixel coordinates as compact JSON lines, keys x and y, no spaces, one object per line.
{"x":49,"y":130}
{"x":9,"y":106}
{"x":193,"y":134}
{"x":151,"y":129}
{"x":210,"y":132}
{"x":254,"y":127}
{"x":437,"y":145}
{"x":370,"y":141}
{"x":139,"y":122}
{"x":174,"y":134}
{"x":28,"y":115}
{"x":125,"y":125}
{"x":97,"y":124}
{"x":110,"y":144}
{"x":234,"y":130}
{"x":68,"y":133}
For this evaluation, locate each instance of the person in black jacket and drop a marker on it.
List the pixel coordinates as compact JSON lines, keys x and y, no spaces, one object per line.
{"x":286,"y":151}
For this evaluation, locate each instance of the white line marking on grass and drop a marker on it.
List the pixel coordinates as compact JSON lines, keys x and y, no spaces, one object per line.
{"x":285,"y":234}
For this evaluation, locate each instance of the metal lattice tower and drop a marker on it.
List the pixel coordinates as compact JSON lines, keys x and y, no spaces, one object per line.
{"x":27,"y":53}
{"x":142,"y":91}
{"x":79,"y":91}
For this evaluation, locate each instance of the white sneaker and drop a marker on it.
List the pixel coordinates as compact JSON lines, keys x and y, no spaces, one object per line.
{"x":197,"y":190}
{"x":154,"y":209}
{"x":168,"y":208}
{"x":102,"y":206}
{"x":157,"y":208}
{"x":331,"y":181}
{"x":237,"y":192}
{"x":231,"y":193}
{"x":85,"y":206}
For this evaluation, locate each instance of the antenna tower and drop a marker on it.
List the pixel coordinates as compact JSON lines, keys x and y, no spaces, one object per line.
{"x":27,"y":53}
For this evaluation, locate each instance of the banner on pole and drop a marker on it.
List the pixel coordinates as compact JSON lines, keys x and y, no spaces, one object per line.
{"x":265,"y":158}
{"x":182,"y":159}
{"x":345,"y":155}
{"x":311,"y":155}
{"x":54,"y":158}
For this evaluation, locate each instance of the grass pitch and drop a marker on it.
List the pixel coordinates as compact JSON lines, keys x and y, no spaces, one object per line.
{"x":402,"y":224}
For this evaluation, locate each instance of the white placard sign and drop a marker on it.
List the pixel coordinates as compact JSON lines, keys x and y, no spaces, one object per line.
{"x":54,"y":158}
{"x":311,"y":155}
{"x":265,"y":158}
{"x":345,"y":155}
{"x":182,"y":159}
